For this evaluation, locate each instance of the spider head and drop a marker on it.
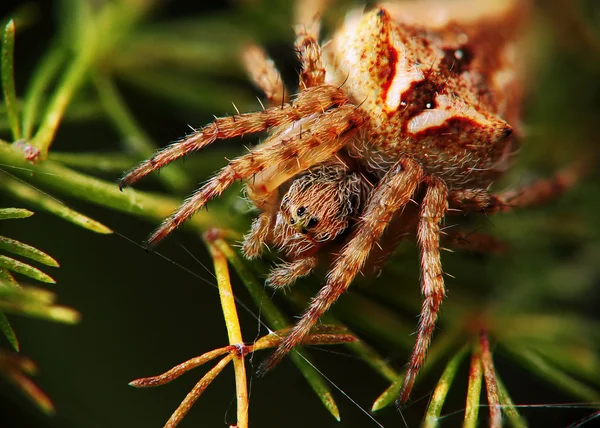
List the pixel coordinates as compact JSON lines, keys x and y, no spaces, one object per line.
{"x":302,"y":220}
{"x":320,"y":204}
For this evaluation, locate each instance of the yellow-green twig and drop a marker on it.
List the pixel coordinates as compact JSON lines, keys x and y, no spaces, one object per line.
{"x":196,"y":392}
{"x":234,"y":332}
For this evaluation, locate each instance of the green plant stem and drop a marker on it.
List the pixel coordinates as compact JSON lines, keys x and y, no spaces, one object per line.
{"x":141,"y":204}
{"x":32,"y":391}
{"x":274,"y":317}
{"x":69,"y":84}
{"x":581,"y":361}
{"x":96,"y":35}
{"x":114,"y":163}
{"x":374,"y":319}
{"x":11,"y":213}
{"x":6,"y":278}
{"x":491,"y":386}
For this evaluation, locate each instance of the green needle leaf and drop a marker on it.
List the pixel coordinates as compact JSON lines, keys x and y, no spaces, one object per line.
{"x":316,"y":381}
{"x":579,"y":360}
{"x":508,"y":407}
{"x":25,"y":269}
{"x":50,"y":204}
{"x":25,"y":250}
{"x":437,"y":352}
{"x":43,"y":77}
{"x":534,"y":362}
{"x":37,"y":303}
{"x":33,"y":295}
{"x":7,"y":279}
{"x":12,"y":370}
{"x":8,"y":332}
{"x":441,"y":390}
{"x":474,"y":389}
{"x":373,"y":318}
{"x":10,"y":213}
{"x":8,"y":79}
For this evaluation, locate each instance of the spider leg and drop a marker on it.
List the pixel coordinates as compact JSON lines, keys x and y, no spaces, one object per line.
{"x":473,"y":241}
{"x":391,"y":194}
{"x":311,"y":58}
{"x":308,"y":12}
{"x":286,"y":274}
{"x":264,"y":74}
{"x":307,"y":15}
{"x":475,"y":200}
{"x":401,"y":227}
{"x":276,"y":160}
{"x":537,"y":193}
{"x":309,"y":101}
{"x":433,"y":209}
{"x":254,"y":240}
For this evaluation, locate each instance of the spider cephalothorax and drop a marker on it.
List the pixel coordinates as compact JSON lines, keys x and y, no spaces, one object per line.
{"x":320,"y":204}
{"x":422,"y":99}
{"x":318,"y":209}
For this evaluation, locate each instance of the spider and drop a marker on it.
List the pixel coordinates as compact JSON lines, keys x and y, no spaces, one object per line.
{"x":317,"y":210}
{"x":425,"y":100}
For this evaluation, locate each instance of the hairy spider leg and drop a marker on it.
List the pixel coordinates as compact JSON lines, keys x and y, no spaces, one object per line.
{"x":309,"y":101}
{"x":285,"y":274}
{"x":293,"y":154}
{"x":312,"y":71}
{"x":264,"y":74}
{"x":433,"y":209}
{"x":391,"y":194}
{"x":536,"y":193}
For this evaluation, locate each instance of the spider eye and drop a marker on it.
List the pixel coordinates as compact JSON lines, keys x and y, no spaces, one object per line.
{"x":300,"y":212}
{"x":292,"y":221}
{"x":312,"y":222}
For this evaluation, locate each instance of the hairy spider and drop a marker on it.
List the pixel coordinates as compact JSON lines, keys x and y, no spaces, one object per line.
{"x":425,"y":100}
{"x":317,"y":209}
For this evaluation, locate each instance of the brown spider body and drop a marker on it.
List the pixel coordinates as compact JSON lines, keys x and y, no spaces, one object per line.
{"x":444,"y":95}
{"x":420,"y":97}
